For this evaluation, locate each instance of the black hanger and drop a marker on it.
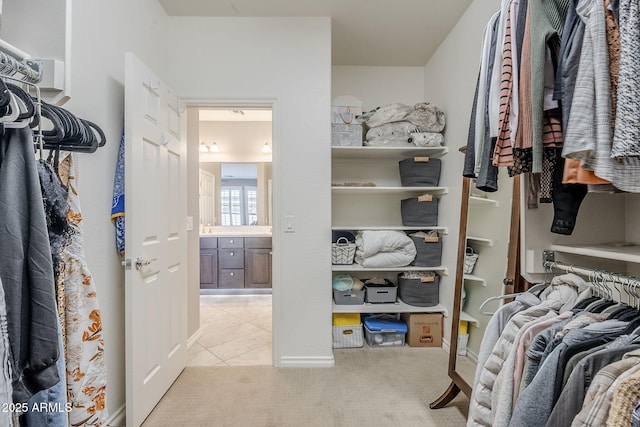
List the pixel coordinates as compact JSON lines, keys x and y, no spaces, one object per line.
{"x":27,"y":101}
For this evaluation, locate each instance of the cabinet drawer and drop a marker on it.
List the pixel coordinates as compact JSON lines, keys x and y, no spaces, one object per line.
{"x":230,"y":242}
{"x":208,"y":242}
{"x":231,"y":278}
{"x":257,"y":242}
{"x":231,"y":258}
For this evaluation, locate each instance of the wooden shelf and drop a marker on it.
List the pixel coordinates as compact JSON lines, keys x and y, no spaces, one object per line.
{"x":391,"y":153}
{"x":472,"y":278}
{"x":436,"y":191}
{"x":443,"y":230}
{"x":443,"y":271}
{"x":397,"y":307}
{"x":607,"y":251}
{"x":469,"y":318}
{"x":482,"y":202}
{"x":480,"y":240}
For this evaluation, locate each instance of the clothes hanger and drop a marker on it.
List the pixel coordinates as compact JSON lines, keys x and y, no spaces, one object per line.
{"x":613,"y":280}
{"x":24,"y":99}
{"x":602,"y":302}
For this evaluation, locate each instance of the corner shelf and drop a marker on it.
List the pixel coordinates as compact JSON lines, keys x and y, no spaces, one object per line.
{"x":617,"y":253}
{"x":480,"y":240}
{"x":469,"y":318}
{"x":478,"y":279}
{"x":482,"y":202}
{"x":397,"y":307}
{"x":390,"y":153}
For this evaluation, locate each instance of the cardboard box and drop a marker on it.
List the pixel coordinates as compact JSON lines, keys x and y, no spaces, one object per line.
{"x":425,"y":329}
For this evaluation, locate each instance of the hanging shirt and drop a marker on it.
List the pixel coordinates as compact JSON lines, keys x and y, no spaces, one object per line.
{"x":26,"y":268}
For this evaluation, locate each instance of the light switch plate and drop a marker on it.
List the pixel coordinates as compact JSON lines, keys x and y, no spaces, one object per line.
{"x":289,"y":224}
{"x":189,"y":223}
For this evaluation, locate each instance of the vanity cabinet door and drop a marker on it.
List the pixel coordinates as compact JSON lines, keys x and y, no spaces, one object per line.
{"x":208,"y":263}
{"x":257,"y":267}
{"x":208,"y":268}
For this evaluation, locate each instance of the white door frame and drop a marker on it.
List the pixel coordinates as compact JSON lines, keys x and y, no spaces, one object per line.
{"x":276,"y":262}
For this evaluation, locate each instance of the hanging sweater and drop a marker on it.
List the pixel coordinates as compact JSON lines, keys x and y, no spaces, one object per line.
{"x":26,"y":268}
{"x":547,"y":22}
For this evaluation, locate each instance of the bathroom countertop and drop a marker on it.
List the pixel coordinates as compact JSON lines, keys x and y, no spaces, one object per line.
{"x":247,"y":231}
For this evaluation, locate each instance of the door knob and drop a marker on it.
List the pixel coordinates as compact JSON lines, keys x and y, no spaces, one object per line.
{"x":141,"y":262}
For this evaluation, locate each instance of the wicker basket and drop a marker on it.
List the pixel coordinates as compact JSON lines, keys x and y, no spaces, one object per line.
{"x":343,"y":251}
{"x":470,"y":258}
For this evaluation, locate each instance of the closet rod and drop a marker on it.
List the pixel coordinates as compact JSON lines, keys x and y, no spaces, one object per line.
{"x":10,"y":49}
{"x":14,"y":60}
{"x":631,"y":282}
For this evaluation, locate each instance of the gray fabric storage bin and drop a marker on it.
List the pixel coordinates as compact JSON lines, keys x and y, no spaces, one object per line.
{"x":414,"y":292}
{"x":380,"y":293}
{"x":429,"y":254}
{"x":416,"y":172}
{"x":419,"y":214}
{"x":351,"y":297}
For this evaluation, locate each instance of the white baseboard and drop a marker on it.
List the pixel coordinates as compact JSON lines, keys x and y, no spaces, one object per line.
{"x":306,"y":362}
{"x":117,"y":418}
{"x":470,"y":354}
{"x":194,"y":338}
{"x":446,"y":346}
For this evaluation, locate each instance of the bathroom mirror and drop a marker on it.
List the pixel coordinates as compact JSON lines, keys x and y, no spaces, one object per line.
{"x":235,"y":194}
{"x":486,"y":267}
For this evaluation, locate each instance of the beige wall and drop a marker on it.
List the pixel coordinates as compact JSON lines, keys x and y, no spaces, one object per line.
{"x":287,"y":62}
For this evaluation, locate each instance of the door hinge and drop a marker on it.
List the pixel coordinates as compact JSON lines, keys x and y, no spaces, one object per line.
{"x":126,"y":264}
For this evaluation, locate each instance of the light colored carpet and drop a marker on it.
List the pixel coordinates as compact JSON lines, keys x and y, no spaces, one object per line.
{"x":367,"y":387}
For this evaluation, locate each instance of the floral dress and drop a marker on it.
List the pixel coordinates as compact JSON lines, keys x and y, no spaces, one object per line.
{"x":84,"y":346}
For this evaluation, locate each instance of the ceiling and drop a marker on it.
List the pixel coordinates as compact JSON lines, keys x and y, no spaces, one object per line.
{"x":235,"y":115}
{"x":364,"y":32}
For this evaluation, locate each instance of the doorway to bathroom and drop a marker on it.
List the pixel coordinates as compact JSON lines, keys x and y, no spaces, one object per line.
{"x":235,"y":229}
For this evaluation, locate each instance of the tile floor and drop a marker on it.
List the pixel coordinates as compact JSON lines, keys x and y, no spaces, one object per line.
{"x":236,"y":331}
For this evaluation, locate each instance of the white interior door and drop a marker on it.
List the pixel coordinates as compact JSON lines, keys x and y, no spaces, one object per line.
{"x":156,"y":283}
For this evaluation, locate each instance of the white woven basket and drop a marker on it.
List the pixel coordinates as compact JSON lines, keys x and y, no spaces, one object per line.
{"x":470,"y":258}
{"x":348,"y":336}
{"x":343,"y":251}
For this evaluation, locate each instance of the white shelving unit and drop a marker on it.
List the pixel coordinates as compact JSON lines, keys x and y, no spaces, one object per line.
{"x":443,"y":271}
{"x":386,"y":153}
{"x":483,"y":202}
{"x":475,"y":279}
{"x":366,"y":195}
{"x":480,"y":240}
{"x":397,"y":307}
{"x":626,"y":253}
{"x":464,"y":316}
{"x":486,"y":231}
{"x":443,"y":230}
{"x":435,"y":191}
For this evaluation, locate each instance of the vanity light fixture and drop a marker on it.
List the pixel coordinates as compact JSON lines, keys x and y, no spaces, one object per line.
{"x":213,"y":148}
{"x":266,"y":148}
